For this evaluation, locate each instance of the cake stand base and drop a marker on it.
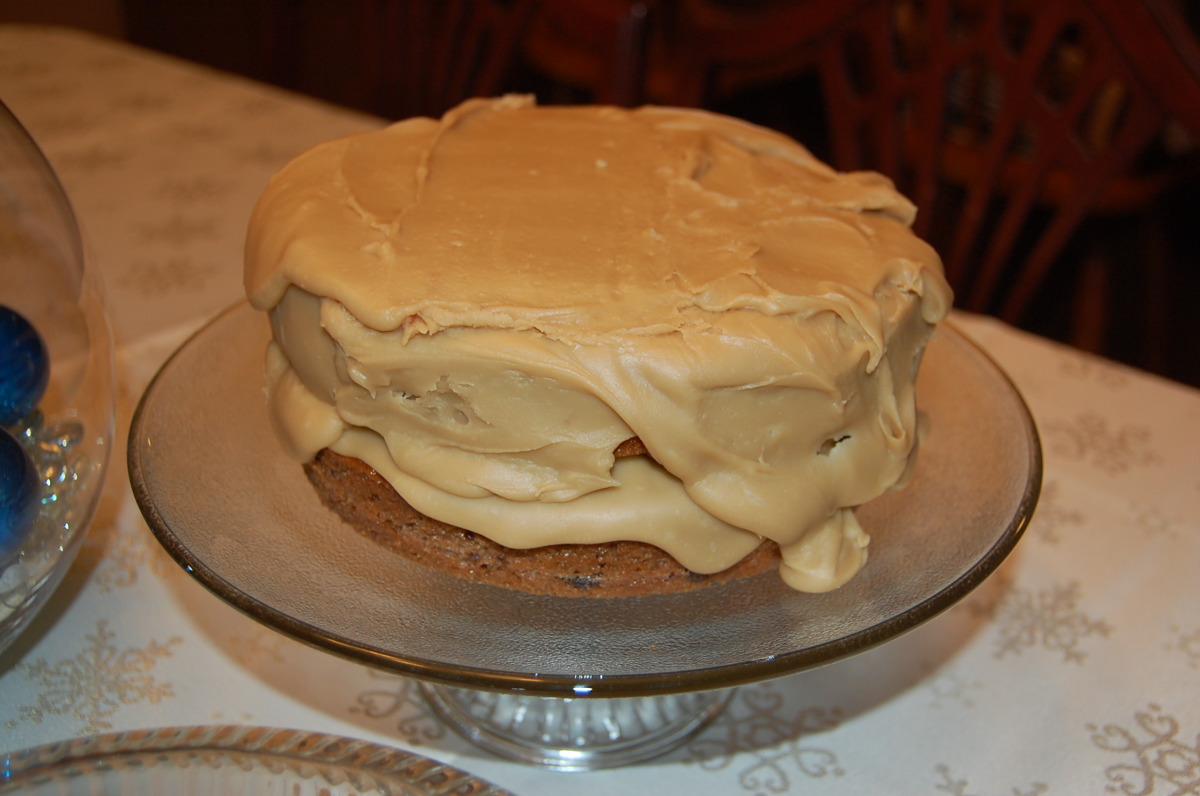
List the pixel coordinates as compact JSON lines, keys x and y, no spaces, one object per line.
{"x":575,"y":734}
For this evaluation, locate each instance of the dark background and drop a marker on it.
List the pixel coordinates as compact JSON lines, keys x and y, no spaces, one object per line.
{"x":342,"y":52}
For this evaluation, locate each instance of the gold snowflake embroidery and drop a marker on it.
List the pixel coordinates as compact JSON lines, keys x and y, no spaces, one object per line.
{"x":143,"y":102}
{"x":1085,"y":367}
{"x":754,"y":723}
{"x":180,"y":229}
{"x":94,"y":684}
{"x":195,"y":190}
{"x":1156,"y":755}
{"x":259,"y":646}
{"x":1188,"y":644}
{"x":121,"y":554}
{"x":1089,"y":438}
{"x":177,"y":274}
{"x":400,"y":700}
{"x":193,"y":131}
{"x":958,"y":787}
{"x":1049,"y":619}
{"x":256,"y":106}
{"x":63,"y":121}
{"x":1052,"y":515}
{"x":269,"y":155}
{"x":950,"y":688}
{"x":92,"y":158}
{"x":1153,"y":522}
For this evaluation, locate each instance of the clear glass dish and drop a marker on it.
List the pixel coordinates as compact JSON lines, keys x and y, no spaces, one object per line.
{"x":258,"y":537}
{"x":68,"y":435}
{"x":195,"y":761}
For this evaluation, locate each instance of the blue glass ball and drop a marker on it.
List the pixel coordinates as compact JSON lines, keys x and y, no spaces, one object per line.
{"x":24,"y":366}
{"x":20,"y":493}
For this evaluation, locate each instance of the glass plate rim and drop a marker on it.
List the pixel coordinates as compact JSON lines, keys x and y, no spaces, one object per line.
{"x":96,"y":753}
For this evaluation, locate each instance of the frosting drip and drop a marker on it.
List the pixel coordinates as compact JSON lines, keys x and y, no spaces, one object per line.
{"x":483,"y":307}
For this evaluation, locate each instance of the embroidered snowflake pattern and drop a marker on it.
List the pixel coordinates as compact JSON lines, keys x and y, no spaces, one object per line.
{"x":951,"y":689}
{"x":1090,"y":368}
{"x":1052,"y":515}
{"x":268,"y":155}
{"x":180,"y":230}
{"x":157,"y":278}
{"x":258,"y":646}
{"x":94,"y":684}
{"x":1155,"y":755}
{"x":195,"y":190}
{"x":1048,"y":619}
{"x":958,"y":787}
{"x":195,"y":131}
{"x":399,"y":699}
{"x":122,"y":554}
{"x":92,"y":158}
{"x":1186,"y":644}
{"x":1154,"y":523}
{"x":755,"y":724}
{"x":1089,"y":438}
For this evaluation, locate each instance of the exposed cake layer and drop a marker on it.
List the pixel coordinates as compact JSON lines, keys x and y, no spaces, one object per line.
{"x":484,"y":307}
{"x":612,"y":569}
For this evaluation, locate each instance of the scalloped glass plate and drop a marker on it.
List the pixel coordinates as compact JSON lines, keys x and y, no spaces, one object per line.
{"x":191,"y":761}
{"x":241,"y":517}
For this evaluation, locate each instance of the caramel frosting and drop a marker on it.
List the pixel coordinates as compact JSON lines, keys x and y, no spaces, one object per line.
{"x":482,"y":307}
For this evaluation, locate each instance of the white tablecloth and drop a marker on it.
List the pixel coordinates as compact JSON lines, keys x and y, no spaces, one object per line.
{"x":1074,"y":670}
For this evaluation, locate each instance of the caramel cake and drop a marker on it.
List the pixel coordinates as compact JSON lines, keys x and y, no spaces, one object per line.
{"x":596,"y":351}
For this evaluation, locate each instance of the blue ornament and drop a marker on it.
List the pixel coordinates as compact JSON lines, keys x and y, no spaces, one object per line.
{"x":24,"y":367}
{"x":20,"y":493}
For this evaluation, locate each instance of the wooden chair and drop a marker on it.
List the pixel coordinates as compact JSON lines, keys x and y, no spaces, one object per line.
{"x":1009,"y":122}
{"x":597,"y":50}
{"x":401,"y":58}
{"x":449,"y":50}
{"x":395,"y":58}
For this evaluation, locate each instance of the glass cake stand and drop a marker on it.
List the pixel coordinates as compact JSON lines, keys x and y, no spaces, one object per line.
{"x":560,"y":682}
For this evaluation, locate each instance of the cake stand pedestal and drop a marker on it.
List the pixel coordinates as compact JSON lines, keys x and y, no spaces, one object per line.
{"x":575,"y":734}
